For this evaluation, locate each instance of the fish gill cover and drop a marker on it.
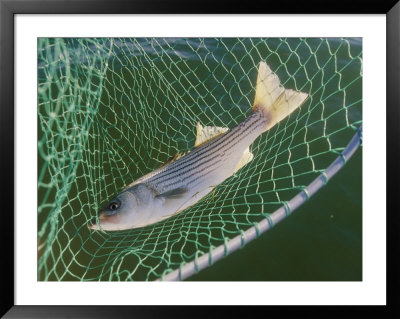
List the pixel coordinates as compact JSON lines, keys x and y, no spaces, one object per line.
{"x":111,"y":110}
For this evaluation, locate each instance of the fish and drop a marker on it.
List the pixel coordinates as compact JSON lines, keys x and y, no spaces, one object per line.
{"x":219,"y":152}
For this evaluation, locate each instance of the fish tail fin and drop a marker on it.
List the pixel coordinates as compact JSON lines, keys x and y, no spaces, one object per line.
{"x":272,"y":100}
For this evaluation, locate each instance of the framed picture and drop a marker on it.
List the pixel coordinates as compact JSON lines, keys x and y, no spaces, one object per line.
{"x":191,"y":159}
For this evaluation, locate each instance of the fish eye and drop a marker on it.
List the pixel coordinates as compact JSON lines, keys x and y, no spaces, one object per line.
{"x":113,"y":206}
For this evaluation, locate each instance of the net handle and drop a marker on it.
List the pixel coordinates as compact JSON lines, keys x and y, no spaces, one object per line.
{"x":229,"y":246}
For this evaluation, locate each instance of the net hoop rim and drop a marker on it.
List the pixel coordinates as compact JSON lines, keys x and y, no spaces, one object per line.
{"x":229,"y":246}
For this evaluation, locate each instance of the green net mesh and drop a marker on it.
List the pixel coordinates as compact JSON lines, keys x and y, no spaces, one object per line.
{"x":111,"y":110}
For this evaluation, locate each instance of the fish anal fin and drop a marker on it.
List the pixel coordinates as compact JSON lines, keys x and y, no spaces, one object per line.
{"x":246,"y":158}
{"x":207,"y":133}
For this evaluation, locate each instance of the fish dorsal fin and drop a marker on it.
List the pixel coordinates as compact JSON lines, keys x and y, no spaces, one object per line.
{"x":246,"y":158}
{"x":174,"y":158}
{"x":206,"y":133}
{"x":177,"y":156}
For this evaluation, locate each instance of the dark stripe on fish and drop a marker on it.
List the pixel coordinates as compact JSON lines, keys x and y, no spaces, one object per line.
{"x":230,"y":138}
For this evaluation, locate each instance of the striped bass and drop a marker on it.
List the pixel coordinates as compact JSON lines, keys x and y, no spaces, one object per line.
{"x":218,"y":154}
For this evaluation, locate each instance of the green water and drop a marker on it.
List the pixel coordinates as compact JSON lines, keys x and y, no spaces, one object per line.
{"x":125,"y":106}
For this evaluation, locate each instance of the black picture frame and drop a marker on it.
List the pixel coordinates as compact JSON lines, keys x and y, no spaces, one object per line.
{"x":8,"y":10}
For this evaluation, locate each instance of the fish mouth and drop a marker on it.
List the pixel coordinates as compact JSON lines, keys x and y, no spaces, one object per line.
{"x":92,"y":224}
{"x":97,"y":223}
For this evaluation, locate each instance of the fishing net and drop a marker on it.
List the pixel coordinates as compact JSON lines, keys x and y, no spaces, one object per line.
{"x":111,"y":110}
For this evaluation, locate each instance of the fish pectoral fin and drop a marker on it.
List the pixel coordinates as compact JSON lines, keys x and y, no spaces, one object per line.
{"x":172,"y":198}
{"x":176,"y":193}
{"x":246,"y":158}
{"x":206,"y":133}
